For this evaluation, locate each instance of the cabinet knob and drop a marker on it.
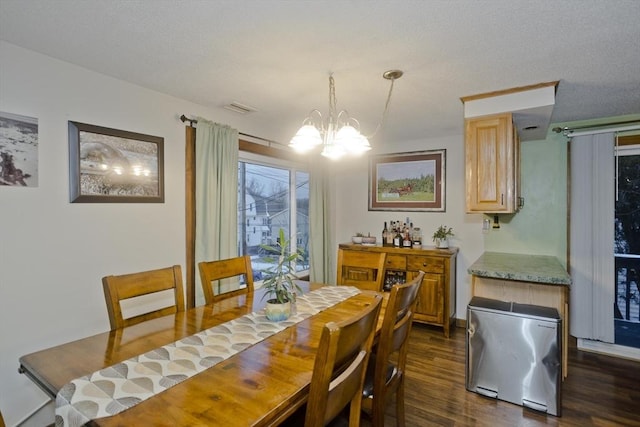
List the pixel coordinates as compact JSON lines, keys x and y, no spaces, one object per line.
{"x":424,"y":264}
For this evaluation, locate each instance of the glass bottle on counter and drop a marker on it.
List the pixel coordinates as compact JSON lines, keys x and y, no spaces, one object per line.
{"x":389,"y":236}
{"x":406,"y":237}
{"x":416,"y":238}
{"x":397,"y":239}
{"x":385,"y":231}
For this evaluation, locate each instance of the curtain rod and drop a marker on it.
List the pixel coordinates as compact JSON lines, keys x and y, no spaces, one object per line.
{"x":192,"y":122}
{"x":605,"y":127}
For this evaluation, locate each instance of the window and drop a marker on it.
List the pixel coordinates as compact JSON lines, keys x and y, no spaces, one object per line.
{"x":272,"y":194}
{"x":627,"y":247}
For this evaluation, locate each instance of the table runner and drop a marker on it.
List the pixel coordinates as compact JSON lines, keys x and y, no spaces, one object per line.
{"x":113,"y":389}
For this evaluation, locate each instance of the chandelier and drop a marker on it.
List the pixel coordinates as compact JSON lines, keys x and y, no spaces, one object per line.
{"x":340,"y":134}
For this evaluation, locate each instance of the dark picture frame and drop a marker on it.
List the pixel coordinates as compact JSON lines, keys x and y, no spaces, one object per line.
{"x":412,"y":181}
{"x":114,"y":166}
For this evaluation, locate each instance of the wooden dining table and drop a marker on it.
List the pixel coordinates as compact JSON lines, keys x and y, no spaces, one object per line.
{"x":259,"y":386}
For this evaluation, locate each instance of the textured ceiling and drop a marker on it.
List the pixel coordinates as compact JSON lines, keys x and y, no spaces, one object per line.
{"x":276,"y":56}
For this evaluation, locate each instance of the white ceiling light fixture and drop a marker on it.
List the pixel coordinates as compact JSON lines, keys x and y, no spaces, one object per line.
{"x":340,"y":134}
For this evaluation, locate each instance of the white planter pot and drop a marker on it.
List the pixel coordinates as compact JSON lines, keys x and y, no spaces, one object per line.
{"x":277,"y":312}
{"x":442,"y":243}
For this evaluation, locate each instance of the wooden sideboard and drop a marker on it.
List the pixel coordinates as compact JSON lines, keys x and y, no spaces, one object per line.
{"x":437,"y":299}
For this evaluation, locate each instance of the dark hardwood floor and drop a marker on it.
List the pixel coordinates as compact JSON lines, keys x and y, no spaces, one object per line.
{"x":599,"y":390}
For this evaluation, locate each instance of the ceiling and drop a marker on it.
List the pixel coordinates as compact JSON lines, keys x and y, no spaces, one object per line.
{"x":276,"y":56}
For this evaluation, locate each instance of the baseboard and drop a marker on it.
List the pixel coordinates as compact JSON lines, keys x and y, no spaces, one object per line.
{"x":609,"y":349}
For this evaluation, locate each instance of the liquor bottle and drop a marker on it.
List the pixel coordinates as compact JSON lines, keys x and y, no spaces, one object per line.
{"x":397,"y":239}
{"x":385,"y":231}
{"x":389,"y":236}
{"x":406,"y":237}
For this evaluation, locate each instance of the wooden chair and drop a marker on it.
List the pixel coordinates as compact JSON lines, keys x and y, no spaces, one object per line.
{"x":223,"y":269}
{"x":385,"y":373}
{"x":340,"y":366}
{"x":362,"y":269}
{"x":126,"y":286}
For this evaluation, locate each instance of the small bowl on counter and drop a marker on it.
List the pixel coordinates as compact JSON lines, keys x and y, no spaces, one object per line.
{"x":369,"y":240}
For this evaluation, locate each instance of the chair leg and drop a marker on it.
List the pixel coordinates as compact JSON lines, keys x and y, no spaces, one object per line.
{"x":400,"y":403}
{"x":377,"y":412}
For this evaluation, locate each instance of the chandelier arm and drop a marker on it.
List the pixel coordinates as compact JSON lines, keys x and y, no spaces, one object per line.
{"x":310,"y":119}
{"x":384,"y":112}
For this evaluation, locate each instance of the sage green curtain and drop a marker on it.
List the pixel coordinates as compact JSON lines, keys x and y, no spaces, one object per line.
{"x":321,"y":256}
{"x":216,"y":195}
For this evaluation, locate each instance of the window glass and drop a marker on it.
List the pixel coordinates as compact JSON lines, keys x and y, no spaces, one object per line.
{"x":272,"y":195}
{"x":627,"y":247}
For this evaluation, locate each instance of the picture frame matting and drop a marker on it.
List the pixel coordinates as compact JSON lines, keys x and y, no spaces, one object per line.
{"x":411,"y":181}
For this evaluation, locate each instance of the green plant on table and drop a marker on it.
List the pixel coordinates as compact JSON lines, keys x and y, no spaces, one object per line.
{"x":443,"y":232}
{"x":279,"y":279}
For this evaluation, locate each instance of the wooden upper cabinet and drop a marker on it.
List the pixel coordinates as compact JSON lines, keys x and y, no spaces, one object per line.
{"x":491,"y":164}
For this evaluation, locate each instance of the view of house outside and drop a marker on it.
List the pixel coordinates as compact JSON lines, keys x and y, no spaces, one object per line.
{"x":271,"y":198}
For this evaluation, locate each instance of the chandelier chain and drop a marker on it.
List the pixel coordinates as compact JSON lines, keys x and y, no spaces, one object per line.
{"x":333,"y":102}
{"x":384,"y":112}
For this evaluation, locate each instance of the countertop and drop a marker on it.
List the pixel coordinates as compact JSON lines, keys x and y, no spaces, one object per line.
{"x":526,"y":268}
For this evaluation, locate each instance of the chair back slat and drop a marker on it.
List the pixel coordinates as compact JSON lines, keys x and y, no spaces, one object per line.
{"x":362,"y":269}
{"x":127,"y":286}
{"x":214,"y":271}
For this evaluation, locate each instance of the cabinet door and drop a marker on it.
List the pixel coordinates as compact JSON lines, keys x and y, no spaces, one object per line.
{"x":490,"y":164}
{"x":430,"y":305}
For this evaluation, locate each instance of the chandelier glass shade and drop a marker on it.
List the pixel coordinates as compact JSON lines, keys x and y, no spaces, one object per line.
{"x":339,"y":134}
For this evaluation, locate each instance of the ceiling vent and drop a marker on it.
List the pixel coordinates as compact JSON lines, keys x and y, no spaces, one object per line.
{"x":239,"y":108}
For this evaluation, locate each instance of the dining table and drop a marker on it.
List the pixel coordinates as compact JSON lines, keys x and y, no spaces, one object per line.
{"x":261,"y":385}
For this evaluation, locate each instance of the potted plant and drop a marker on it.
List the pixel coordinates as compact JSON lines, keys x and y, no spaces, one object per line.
{"x":279,"y":280}
{"x":441,"y":236}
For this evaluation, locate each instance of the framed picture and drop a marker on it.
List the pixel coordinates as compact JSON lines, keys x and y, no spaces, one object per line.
{"x":413,"y":181}
{"x":18,"y":150}
{"x":114,"y":166}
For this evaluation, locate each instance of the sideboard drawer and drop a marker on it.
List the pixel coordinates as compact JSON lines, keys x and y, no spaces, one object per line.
{"x":396,"y":262}
{"x":425,"y":263}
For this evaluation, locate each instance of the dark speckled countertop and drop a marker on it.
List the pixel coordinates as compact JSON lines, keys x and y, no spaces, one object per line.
{"x":526,"y":268}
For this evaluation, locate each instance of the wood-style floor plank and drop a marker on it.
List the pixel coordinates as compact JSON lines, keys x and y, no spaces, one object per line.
{"x":599,"y":391}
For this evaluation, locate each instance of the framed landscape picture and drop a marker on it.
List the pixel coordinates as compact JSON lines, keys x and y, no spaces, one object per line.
{"x":114,"y":166}
{"x":18,"y":150}
{"x":413,"y":181}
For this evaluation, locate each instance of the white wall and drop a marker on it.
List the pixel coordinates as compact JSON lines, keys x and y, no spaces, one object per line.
{"x":352,"y":214}
{"x":53,"y":254}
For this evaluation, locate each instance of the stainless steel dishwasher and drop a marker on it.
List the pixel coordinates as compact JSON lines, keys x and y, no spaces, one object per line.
{"x":513,"y":353}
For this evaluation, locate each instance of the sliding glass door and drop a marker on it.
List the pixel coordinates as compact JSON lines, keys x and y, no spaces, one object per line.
{"x":627,"y":247}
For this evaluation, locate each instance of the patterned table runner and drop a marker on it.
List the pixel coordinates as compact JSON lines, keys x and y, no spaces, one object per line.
{"x":113,"y":389}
